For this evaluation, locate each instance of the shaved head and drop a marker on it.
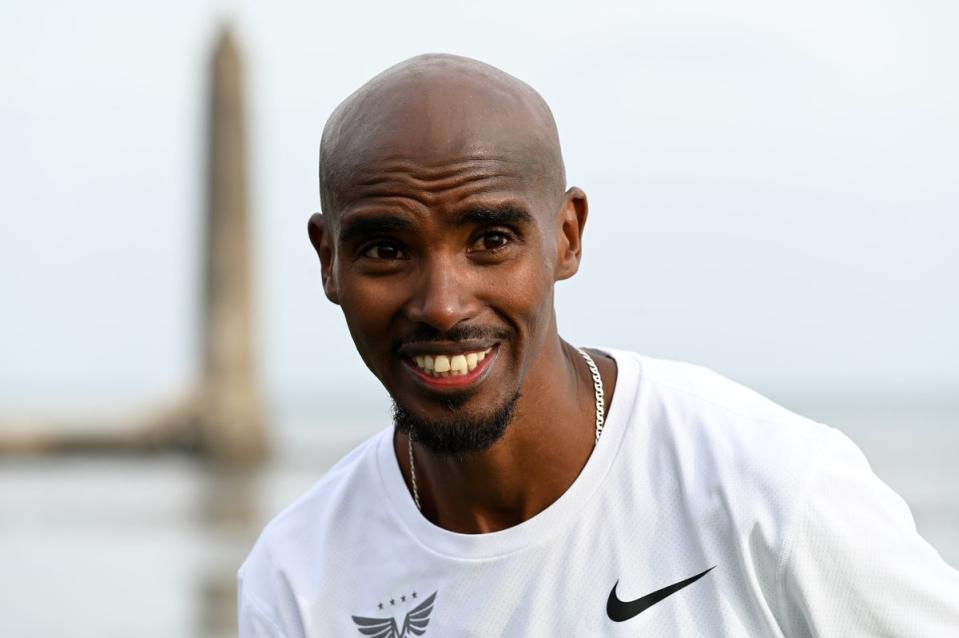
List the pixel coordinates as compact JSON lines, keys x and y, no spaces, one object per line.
{"x":439,"y":110}
{"x":446,"y":223}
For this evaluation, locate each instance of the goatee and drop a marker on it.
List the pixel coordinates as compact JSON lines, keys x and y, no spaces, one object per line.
{"x":459,"y":434}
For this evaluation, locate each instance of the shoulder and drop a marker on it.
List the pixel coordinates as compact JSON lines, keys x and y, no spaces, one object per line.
{"x":693,"y":403}
{"x":717,"y":439}
{"x":327,"y":498}
{"x":706,"y":391}
{"x":831,"y":546}
{"x":293,"y":552}
{"x":854,"y":561}
{"x":746,"y":437}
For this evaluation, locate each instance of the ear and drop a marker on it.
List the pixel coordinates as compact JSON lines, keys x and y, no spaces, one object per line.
{"x":322,"y":239}
{"x":571,"y":220}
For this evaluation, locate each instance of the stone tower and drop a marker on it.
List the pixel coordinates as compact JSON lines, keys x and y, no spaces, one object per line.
{"x":230,"y":420}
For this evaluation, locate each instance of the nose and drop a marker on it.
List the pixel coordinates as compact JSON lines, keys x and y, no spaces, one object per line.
{"x":442,"y":297}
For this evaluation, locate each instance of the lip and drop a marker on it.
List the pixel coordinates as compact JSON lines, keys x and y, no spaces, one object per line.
{"x":444,"y":347}
{"x":459,"y":381}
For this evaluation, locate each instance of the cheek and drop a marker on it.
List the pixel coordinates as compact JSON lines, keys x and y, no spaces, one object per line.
{"x":368,"y":306}
{"x":523,"y":292}
{"x":537,"y":286}
{"x":366,"y":298}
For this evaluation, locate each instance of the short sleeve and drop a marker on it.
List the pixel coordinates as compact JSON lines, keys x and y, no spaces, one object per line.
{"x":253,"y":623}
{"x":265,"y":609}
{"x":853,"y":563}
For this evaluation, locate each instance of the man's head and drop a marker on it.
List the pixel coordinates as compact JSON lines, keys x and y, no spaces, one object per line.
{"x":446,"y":221}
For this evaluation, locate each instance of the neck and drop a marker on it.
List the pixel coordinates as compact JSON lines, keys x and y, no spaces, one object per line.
{"x":542,"y":452}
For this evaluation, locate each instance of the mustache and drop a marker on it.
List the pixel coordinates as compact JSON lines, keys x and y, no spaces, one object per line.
{"x":423,"y":333}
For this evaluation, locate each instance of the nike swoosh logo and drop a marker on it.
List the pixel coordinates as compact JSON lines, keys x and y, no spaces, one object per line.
{"x":619,"y":610}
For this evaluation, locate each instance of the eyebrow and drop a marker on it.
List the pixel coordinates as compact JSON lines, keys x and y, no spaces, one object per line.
{"x":508,"y":214}
{"x":372,"y":225}
{"x":367,"y":225}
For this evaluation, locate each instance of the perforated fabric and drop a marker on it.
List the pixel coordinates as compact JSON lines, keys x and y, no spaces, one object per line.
{"x":693,"y":472}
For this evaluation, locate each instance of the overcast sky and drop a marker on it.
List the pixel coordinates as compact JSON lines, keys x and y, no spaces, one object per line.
{"x":773,"y":186}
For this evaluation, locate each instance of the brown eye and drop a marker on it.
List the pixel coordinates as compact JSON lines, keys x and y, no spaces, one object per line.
{"x":492,"y":241}
{"x":384,"y":251}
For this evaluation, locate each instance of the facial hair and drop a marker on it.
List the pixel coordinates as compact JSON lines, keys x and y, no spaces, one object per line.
{"x":458,"y":434}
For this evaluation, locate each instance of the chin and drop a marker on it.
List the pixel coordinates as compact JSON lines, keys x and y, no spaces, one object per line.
{"x":458,"y":431}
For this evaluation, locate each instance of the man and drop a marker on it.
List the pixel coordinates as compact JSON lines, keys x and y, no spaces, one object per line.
{"x":530,"y":488}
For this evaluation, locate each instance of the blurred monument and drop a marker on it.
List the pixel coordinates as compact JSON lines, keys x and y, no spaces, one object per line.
{"x":222,"y":420}
{"x":229,"y":415}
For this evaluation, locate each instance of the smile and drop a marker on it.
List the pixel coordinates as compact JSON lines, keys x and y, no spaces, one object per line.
{"x":453,"y":369}
{"x":451,"y":365}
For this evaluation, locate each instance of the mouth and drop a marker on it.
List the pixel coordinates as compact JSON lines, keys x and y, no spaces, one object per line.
{"x":452,"y":369}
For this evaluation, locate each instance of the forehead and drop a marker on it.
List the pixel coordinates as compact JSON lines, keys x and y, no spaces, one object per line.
{"x":447,"y":142}
{"x":441,"y":187}
{"x":439,"y":182}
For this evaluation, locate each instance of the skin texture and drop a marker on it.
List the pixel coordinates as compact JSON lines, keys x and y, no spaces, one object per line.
{"x":446,"y":224}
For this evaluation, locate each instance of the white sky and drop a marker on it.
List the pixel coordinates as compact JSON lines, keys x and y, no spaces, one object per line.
{"x":773,"y":186}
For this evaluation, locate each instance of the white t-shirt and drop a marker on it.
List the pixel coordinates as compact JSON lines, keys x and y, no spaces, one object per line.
{"x":693,"y":473}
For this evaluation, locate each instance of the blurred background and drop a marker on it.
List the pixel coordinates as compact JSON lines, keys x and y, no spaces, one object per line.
{"x":773,"y":194}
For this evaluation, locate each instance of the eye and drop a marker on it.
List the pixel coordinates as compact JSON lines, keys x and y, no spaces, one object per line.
{"x":384,"y":250}
{"x":491,"y":241}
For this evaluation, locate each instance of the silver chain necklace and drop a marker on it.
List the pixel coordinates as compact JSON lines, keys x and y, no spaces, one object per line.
{"x":600,"y":420}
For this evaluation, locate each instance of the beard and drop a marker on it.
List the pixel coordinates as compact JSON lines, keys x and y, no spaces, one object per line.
{"x":457,"y":435}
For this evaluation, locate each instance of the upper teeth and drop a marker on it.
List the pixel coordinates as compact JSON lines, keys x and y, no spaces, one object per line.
{"x":443,"y":365}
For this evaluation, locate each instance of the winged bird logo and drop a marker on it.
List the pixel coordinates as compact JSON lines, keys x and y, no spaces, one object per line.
{"x":415,"y":622}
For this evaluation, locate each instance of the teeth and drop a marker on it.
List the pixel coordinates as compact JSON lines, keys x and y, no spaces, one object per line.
{"x":458,"y":364}
{"x":443,"y":365}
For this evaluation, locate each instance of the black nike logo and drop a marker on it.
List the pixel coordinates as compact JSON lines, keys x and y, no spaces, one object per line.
{"x":619,"y":610}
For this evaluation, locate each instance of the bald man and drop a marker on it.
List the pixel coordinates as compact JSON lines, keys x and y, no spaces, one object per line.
{"x":528,"y":487}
